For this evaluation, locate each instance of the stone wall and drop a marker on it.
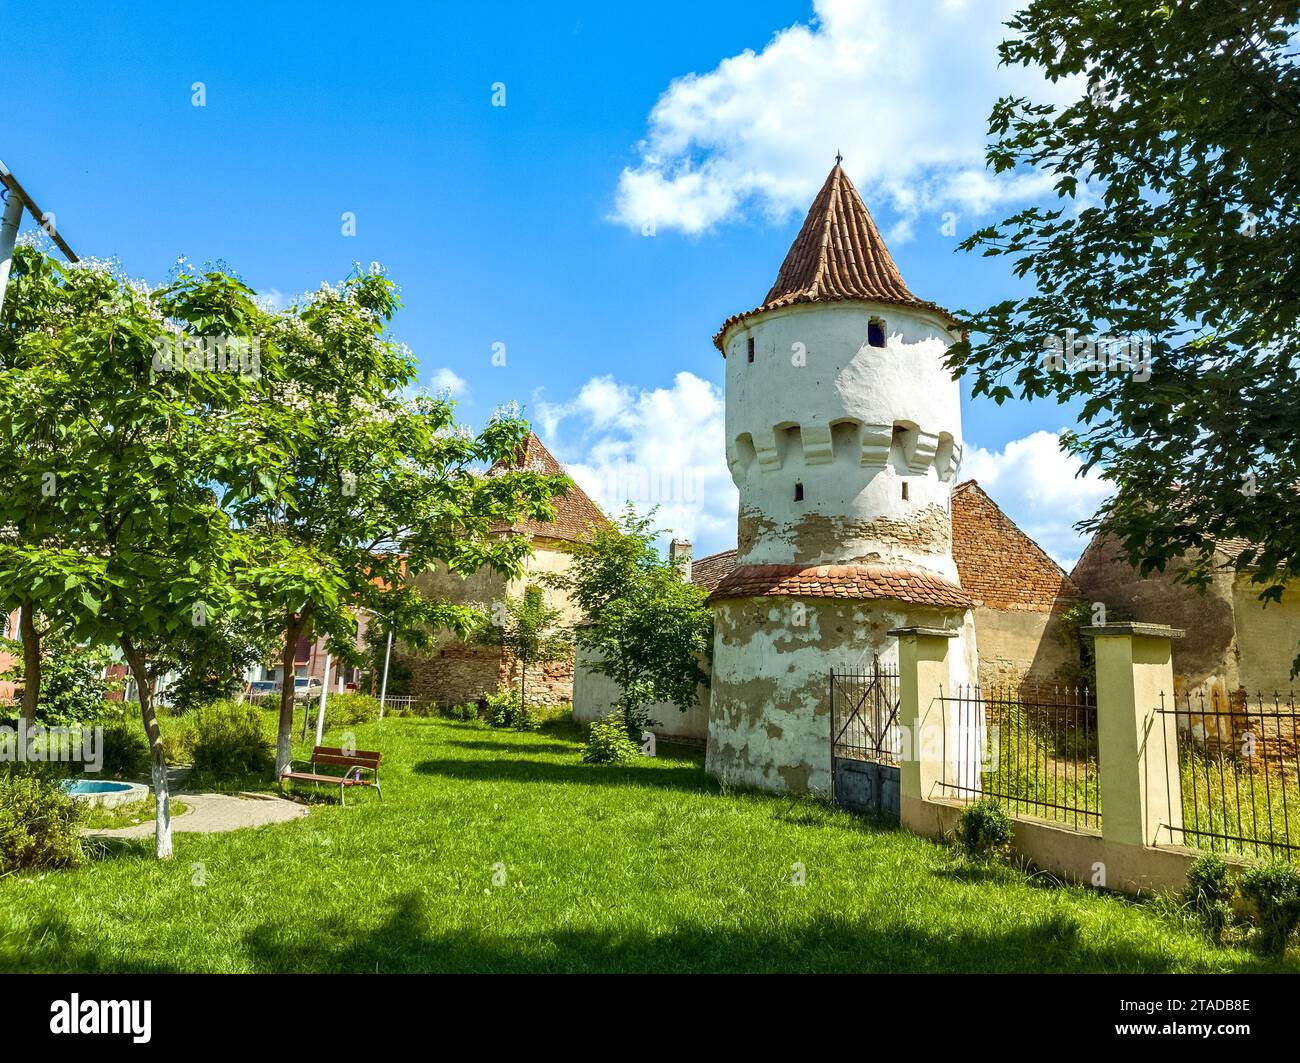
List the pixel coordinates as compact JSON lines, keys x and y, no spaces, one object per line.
{"x":455,"y":672}
{"x":458,"y":672}
{"x":1268,"y":637}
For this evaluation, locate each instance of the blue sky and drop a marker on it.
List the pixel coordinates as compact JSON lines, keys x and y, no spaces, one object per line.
{"x":642,"y":182}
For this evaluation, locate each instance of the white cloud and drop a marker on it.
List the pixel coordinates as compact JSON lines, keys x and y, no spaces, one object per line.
{"x":1037,"y":485}
{"x":446,"y":380}
{"x":903,"y":87}
{"x":661,"y":446}
{"x":274,"y":301}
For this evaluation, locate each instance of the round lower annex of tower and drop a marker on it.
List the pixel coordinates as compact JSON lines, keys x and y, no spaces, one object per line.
{"x":900,"y":583}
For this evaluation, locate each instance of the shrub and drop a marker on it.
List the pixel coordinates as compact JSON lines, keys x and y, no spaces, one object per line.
{"x":229,"y":743}
{"x":351,"y":708}
{"x":38,"y":823}
{"x":984,"y":829}
{"x":1209,"y":892}
{"x":502,"y":709}
{"x":608,"y":742}
{"x":72,"y":683}
{"x":125,"y":750}
{"x":178,"y":741}
{"x":1274,"y":891}
{"x":467,"y":711}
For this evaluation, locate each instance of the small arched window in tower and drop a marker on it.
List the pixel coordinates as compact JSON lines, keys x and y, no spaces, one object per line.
{"x":749,"y":347}
{"x":876,"y":332}
{"x":798,"y":492}
{"x":904,"y":490}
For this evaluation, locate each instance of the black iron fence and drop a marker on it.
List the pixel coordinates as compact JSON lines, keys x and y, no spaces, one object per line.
{"x":1236,"y":786}
{"x":1033,"y":748}
{"x":864,"y":715}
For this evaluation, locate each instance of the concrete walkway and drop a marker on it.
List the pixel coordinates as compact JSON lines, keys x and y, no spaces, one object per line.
{"x":213,"y":813}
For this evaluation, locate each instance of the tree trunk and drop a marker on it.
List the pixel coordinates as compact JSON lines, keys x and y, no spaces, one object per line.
{"x":31,"y":662}
{"x":284,"y":737}
{"x":158,"y":762}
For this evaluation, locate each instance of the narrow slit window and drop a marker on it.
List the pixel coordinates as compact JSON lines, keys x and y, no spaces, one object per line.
{"x":904,"y":490}
{"x":749,"y":344}
{"x":876,"y":333}
{"x":798,"y":492}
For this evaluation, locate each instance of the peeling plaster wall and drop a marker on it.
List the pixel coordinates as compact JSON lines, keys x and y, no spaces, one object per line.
{"x":1208,"y":652}
{"x":455,"y":671}
{"x":595,"y":695}
{"x":852,"y":424}
{"x":769,"y":705}
{"x":1268,"y":637}
{"x":1020,"y":644}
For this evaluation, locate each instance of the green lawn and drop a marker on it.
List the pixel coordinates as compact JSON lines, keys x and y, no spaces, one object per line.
{"x":643,"y":868}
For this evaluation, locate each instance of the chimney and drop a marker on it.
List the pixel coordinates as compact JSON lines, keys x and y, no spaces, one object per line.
{"x":679,"y":553}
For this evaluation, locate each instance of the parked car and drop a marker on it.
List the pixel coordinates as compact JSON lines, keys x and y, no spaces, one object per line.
{"x":306,"y":687}
{"x":263,"y":686}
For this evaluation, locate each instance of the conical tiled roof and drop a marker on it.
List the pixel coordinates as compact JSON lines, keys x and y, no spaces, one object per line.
{"x":575,"y":513}
{"x":839,"y":254}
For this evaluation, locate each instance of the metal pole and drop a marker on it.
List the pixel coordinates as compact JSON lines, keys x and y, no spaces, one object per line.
{"x":324,"y":689}
{"x":8,"y":234}
{"x":383,"y":689}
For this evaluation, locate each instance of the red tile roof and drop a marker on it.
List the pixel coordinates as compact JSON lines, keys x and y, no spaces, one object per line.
{"x":575,"y":513}
{"x":997,"y":563}
{"x":894,"y":582}
{"x":709,"y":571}
{"x":838,"y":255}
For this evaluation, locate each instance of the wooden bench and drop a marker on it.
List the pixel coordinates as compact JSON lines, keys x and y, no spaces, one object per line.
{"x":355,"y":762}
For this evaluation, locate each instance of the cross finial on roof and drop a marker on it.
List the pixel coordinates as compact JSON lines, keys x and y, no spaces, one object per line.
{"x":838,"y":157}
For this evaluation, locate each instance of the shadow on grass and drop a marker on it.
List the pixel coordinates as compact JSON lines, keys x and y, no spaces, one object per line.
{"x":406,"y":941}
{"x":532,"y":747}
{"x":541,"y":771}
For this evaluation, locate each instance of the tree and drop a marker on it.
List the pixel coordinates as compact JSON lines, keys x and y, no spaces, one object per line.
{"x":1180,"y":223}
{"x":365,"y":482}
{"x":39,"y":567}
{"x":645,"y":626}
{"x":73,"y":686}
{"x":529,"y":629}
{"x":144,"y":556}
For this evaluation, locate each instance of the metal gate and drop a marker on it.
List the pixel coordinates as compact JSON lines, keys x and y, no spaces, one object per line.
{"x":865,"y":740}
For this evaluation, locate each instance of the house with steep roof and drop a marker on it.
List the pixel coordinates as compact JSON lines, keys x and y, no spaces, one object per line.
{"x":1232,"y":642}
{"x":458,"y":671}
{"x":1022,"y":597}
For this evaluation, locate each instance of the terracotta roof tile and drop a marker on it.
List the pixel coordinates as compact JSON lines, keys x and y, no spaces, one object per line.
{"x":892,"y":582}
{"x":838,"y":255}
{"x":575,"y":512}
{"x":709,"y":571}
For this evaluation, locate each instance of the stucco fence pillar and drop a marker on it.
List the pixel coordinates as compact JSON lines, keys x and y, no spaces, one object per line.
{"x":1137,"y":746}
{"x":923,"y":726}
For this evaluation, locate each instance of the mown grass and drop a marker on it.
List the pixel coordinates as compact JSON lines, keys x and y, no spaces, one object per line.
{"x":647,"y":867}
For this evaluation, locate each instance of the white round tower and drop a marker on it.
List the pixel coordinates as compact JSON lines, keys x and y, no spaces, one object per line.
{"x":844,"y":438}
